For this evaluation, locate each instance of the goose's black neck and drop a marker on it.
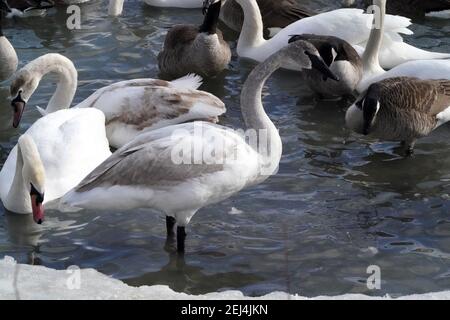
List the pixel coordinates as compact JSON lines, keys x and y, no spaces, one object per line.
{"x":211,"y":18}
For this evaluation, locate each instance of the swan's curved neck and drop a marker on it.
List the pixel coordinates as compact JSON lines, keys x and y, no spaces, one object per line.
{"x":18,"y":198}
{"x":115,"y":7}
{"x":253,"y":111}
{"x":67,"y":79}
{"x":371,"y":60}
{"x":252,"y":29}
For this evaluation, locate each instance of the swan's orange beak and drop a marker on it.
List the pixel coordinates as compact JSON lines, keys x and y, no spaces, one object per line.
{"x":18,"y":106}
{"x":37,"y":207}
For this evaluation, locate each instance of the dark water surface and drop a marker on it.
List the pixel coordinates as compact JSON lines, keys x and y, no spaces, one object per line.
{"x":338,"y":204}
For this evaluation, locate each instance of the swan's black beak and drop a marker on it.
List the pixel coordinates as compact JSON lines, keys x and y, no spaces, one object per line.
{"x":18,"y":105}
{"x":320,"y":65}
{"x":4,"y":6}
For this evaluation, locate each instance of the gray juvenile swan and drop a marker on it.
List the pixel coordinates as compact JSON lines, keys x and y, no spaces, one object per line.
{"x":8,"y":56}
{"x":276,"y":14}
{"x":147,"y":173}
{"x":342,"y":59}
{"x":401,"y":109}
{"x":200,"y":50}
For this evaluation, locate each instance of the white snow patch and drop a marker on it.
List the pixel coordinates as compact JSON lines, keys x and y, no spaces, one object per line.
{"x":439,"y":14}
{"x":19,"y":281}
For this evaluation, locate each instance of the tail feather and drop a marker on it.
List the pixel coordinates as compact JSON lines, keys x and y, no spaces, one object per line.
{"x":191,"y":81}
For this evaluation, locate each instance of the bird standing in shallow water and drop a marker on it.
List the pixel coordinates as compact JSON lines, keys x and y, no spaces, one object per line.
{"x":148,"y":173}
{"x":402,"y":109}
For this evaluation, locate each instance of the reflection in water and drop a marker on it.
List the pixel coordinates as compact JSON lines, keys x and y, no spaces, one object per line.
{"x":24,"y":232}
{"x":22,"y":229}
{"x":182,"y":277}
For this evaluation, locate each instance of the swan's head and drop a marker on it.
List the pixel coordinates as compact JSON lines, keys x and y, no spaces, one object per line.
{"x":304,"y":55}
{"x":362,"y":115}
{"x":22,"y":88}
{"x":34,"y":176}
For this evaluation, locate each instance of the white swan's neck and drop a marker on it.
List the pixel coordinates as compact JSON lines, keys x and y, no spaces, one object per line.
{"x":67,"y":79}
{"x":254,"y":114}
{"x":29,"y":167}
{"x":371,"y":59}
{"x":252,"y":29}
{"x":115,"y":7}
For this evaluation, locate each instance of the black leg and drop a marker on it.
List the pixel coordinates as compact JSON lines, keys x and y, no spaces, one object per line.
{"x":170,"y":224}
{"x":181,"y":237}
{"x":409,"y":151}
{"x":410,"y":148}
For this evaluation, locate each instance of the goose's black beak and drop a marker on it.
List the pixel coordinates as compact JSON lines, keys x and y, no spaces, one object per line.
{"x":320,"y":65}
{"x":18,"y":105}
{"x":205,"y":6}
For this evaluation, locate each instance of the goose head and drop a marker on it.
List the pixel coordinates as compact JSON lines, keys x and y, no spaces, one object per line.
{"x":207,"y":4}
{"x":328,"y":46}
{"x":306,"y":55}
{"x":33,"y":174}
{"x":21,"y":89}
{"x":362,"y":115}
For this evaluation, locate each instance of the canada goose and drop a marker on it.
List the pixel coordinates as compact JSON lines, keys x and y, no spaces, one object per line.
{"x":190,"y":49}
{"x":351,"y":25}
{"x":131,"y":107}
{"x":51,"y":158}
{"x":402,"y":109}
{"x":276,"y":14}
{"x":342,"y":60}
{"x":373,"y":72}
{"x":409,"y":8}
{"x":145,"y":173}
{"x":8,"y":56}
{"x":27,"y":8}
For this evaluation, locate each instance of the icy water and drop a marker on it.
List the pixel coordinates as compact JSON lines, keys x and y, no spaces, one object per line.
{"x":338,"y":205}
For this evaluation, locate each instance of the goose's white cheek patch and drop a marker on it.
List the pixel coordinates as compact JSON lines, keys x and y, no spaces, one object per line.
{"x":443,"y":117}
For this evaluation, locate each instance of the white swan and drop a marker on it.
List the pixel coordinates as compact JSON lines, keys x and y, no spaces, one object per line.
{"x":130,"y":107}
{"x":52,"y":157}
{"x":373,"y":72}
{"x":148,"y":172}
{"x":8,"y":56}
{"x":351,"y":25}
